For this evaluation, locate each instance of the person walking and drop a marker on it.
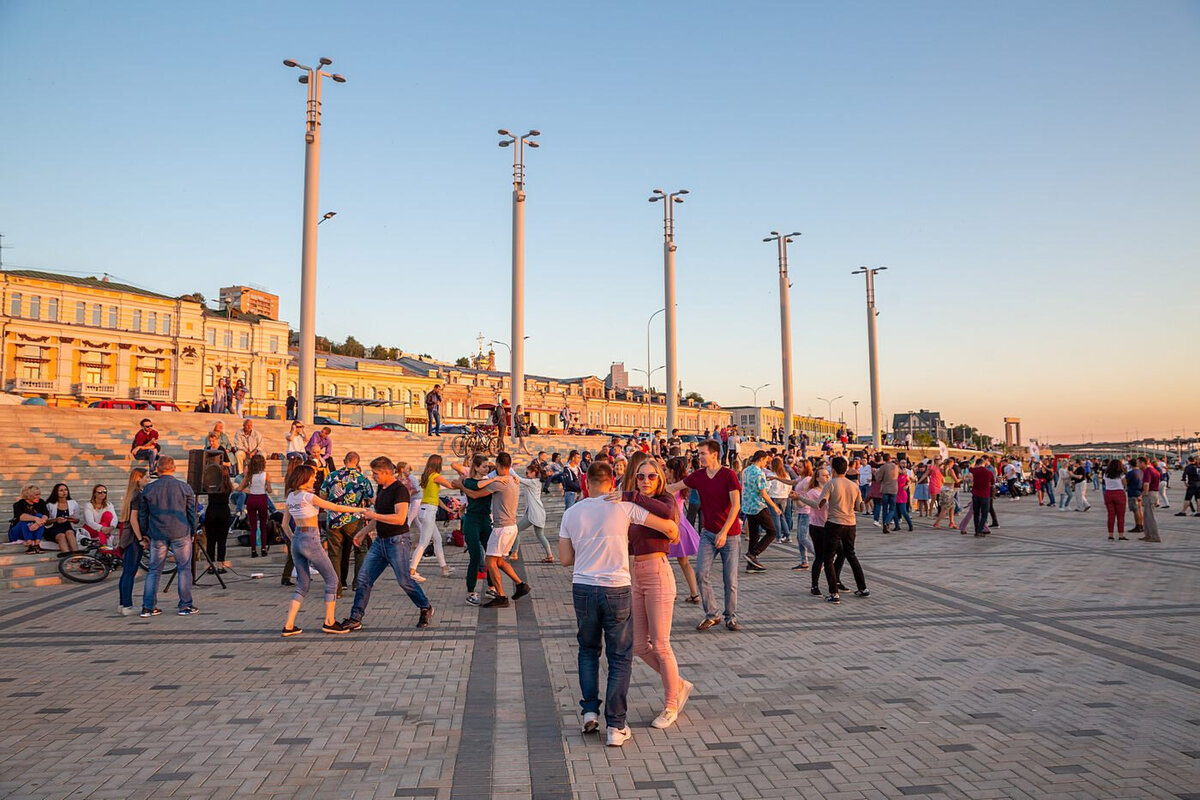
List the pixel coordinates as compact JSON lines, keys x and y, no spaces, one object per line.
{"x":301,"y":510}
{"x":1114,"y":497}
{"x":720,"y":499}
{"x":903,"y":485}
{"x":983,"y":482}
{"x":760,"y":510}
{"x":842,"y":501}
{"x":1133,"y":492}
{"x":1065,"y":480}
{"x":1079,"y":483}
{"x":130,"y":540}
{"x":430,"y":484}
{"x":1150,"y":483}
{"x":534,"y":513}
{"x":389,"y":548}
{"x":1191,"y":493}
{"x":571,"y":480}
{"x":167,"y":517}
{"x":345,"y":487}
{"x":433,"y":411}
{"x":594,"y":541}
{"x":256,"y":483}
{"x":889,"y":486}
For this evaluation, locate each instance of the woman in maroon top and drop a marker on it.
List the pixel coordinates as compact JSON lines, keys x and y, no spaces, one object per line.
{"x":654,"y":584}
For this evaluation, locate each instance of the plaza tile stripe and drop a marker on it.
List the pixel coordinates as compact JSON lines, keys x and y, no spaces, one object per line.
{"x":473,"y":762}
{"x":71,"y":595}
{"x":543,"y":728}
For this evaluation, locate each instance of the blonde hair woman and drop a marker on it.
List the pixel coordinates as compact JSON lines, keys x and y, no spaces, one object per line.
{"x":99,"y":516}
{"x":29,"y":519}
{"x":131,"y":540}
{"x":430,"y":486}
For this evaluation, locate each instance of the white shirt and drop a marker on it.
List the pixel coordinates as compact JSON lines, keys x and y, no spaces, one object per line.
{"x":92,"y":515}
{"x":300,"y":507}
{"x":598,"y":529}
{"x":864,"y":474}
{"x":531,"y":493}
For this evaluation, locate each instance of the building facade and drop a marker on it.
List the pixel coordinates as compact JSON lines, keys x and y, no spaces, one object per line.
{"x":758,"y":422}
{"x":924,"y":422}
{"x":74,"y":340}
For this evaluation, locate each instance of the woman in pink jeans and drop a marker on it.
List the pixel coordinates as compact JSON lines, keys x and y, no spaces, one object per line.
{"x":654,"y":586}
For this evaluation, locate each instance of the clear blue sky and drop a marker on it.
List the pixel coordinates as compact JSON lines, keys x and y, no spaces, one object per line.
{"x":1029,"y":173}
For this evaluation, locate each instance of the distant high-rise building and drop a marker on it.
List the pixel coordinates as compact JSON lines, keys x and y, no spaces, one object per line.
{"x":251,"y":301}
{"x":618,"y":377}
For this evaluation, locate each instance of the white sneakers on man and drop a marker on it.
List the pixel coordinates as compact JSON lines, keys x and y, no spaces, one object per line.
{"x":619,"y":736}
{"x":591,"y":722}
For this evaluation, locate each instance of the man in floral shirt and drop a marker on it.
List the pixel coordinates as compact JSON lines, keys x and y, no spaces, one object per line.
{"x":348,"y":487}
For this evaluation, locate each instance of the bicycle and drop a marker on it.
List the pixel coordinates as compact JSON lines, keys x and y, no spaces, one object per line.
{"x":94,"y":564}
{"x":475,"y":441}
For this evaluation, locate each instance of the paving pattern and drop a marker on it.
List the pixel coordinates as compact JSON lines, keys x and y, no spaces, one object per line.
{"x":1040,"y":662}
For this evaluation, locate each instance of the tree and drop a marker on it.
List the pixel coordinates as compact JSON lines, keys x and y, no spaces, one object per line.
{"x":694,"y":396}
{"x":353,"y":347}
{"x":380,"y":352}
{"x":462,"y":361}
{"x":324,"y":345}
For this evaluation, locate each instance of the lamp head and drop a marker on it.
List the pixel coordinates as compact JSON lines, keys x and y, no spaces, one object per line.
{"x":683,"y":191}
{"x":657,"y":191}
{"x":338,"y":78}
{"x":503,"y":132}
{"x":290,"y":62}
{"x":325,"y":62}
{"x":532,"y":144}
{"x":768,"y":239}
{"x":534,"y":132}
{"x":794,"y":233}
{"x":304,"y":78}
{"x":505,"y":142}
{"x":774,"y":233}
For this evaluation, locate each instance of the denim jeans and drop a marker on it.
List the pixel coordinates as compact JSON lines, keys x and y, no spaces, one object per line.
{"x":1064,"y":496}
{"x":131,"y":559}
{"x":435,"y":421}
{"x":182,"y":549}
{"x":979,"y":511}
{"x":307,"y":549}
{"x":804,"y":542}
{"x":889,"y":508}
{"x":391,"y":551}
{"x":901,"y":511}
{"x":569,"y":499}
{"x":729,"y":572}
{"x":604,"y":620}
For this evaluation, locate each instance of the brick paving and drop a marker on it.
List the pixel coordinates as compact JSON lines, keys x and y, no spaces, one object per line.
{"x":1041,"y":662}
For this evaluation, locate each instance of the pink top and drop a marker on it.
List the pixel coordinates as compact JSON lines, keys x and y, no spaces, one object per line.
{"x":902,"y":491}
{"x":816,"y":516}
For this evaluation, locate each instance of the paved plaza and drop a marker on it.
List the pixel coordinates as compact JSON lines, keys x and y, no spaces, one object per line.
{"x":1040,"y":662}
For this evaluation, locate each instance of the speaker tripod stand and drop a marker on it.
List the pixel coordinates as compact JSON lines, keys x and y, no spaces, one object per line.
{"x":195,"y":581}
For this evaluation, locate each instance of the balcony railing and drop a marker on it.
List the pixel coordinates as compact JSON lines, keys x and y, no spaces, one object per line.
{"x":147,"y":393}
{"x":27,"y":385}
{"x":95,"y":390}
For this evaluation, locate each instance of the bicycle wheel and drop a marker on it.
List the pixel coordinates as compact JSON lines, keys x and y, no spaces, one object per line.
{"x":491,"y":445}
{"x":458,"y":446}
{"x":168,"y":566}
{"x":83,"y":569}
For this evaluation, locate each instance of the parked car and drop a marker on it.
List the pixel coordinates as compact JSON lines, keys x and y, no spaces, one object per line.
{"x":162,"y":405}
{"x":453,"y":429}
{"x":691,"y":438}
{"x":395,"y":427}
{"x":321,"y":421}
{"x":122,"y":404}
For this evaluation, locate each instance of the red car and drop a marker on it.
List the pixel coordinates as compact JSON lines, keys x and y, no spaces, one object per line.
{"x":123,"y":404}
{"x":394,"y":427}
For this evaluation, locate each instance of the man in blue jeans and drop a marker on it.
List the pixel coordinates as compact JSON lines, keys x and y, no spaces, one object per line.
{"x":594,"y":539}
{"x":889,"y":478}
{"x":389,"y":521}
{"x":167,"y":517}
{"x":720,"y":534}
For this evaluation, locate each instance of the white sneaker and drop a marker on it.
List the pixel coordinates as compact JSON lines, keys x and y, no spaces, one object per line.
{"x":473,"y":598}
{"x":591,"y":722}
{"x":619,"y":736}
{"x":416,"y":576}
{"x":664,"y":720}
{"x":875,"y":522}
{"x":491,"y":592}
{"x":124,"y":611}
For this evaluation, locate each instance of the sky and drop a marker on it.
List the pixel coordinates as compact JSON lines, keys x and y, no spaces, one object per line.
{"x":1028,"y":172}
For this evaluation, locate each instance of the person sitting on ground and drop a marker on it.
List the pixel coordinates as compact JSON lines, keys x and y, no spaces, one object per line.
{"x":29,"y":518}
{"x":64,"y":516}
{"x":99,"y":516}
{"x":145,"y":445}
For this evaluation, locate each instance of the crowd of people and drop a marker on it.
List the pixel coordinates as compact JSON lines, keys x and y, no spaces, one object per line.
{"x":632,"y":508}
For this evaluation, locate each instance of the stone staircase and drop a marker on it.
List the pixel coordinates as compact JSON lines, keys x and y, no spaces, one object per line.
{"x":82,"y":447}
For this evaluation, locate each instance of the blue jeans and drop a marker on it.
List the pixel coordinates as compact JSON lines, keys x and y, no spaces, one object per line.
{"x":435,"y":422}
{"x":131,"y":559}
{"x":391,"y":551}
{"x":729,"y":572}
{"x":22,"y":532}
{"x":1064,"y":497}
{"x":979,"y":511}
{"x":604,"y":619}
{"x":307,"y":549}
{"x":803,"y":540}
{"x":1049,"y":489}
{"x":569,"y":499}
{"x":889,"y":508}
{"x":901,"y":511}
{"x":182,"y":548}
{"x":783,"y":521}
{"x":149,"y":456}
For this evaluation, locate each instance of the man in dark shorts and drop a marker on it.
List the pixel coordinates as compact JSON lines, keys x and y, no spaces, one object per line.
{"x":1191,"y":482}
{"x":389,"y":519}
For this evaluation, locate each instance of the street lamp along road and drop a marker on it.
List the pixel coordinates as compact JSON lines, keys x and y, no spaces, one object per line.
{"x":785,"y":324}
{"x":307,"y":383}
{"x":669,"y":201}
{"x":518,"y":143}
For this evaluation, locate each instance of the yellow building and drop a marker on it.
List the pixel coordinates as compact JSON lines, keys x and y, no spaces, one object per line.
{"x":74,"y":340}
{"x":758,"y":422}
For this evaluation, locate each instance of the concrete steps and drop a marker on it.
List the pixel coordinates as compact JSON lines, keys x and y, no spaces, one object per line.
{"x":20,"y":571}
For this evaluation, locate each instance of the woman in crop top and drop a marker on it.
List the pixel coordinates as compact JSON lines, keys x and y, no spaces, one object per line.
{"x":1115,"y":497}
{"x":302,"y":509}
{"x":654,"y":585}
{"x":430,"y":486}
{"x":256,"y":483}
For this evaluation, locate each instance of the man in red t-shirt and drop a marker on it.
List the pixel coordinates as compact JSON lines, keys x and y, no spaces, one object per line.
{"x":145,"y":445}
{"x":982,"y":482}
{"x":720,"y":500}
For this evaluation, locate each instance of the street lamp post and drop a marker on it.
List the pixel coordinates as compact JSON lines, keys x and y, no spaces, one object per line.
{"x":872,"y":352}
{"x":855,"y":402}
{"x":754,"y":392}
{"x":307,"y":385}
{"x":785,"y":325}
{"x":669,"y":201}
{"x":829,"y":415}
{"x":518,"y":144}
{"x":648,"y":371}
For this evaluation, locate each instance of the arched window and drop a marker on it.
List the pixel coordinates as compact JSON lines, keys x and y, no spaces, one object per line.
{"x":333,"y":389}
{"x":408,"y":396}
{"x":209,"y":376}
{"x":350,"y":390}
{"x":389,"y":395}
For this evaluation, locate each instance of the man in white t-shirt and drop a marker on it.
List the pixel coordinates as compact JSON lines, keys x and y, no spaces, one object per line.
{"x":594,"y":540}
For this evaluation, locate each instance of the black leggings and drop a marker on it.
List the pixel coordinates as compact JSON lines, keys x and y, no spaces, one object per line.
{"x":216,"y":529}
{"x":765,"y":520}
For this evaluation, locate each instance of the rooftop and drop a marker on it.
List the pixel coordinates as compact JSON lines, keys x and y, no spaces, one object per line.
{"x":90,"y":282}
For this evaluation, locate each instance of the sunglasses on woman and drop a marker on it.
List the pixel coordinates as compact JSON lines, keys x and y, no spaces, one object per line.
{"x":647,"y":476}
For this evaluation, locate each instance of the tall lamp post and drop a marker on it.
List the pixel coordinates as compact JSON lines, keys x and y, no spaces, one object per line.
{"x":307,"y":387}
{"x":669,"y":201}
{"x":649,"y":371}
{"x":518,"y":144}
{"x":872,"y":351}
{"x":785,"y":324}
{"x":855,"y":402}
{"x":830,"y":405}
{"x":754,"y":392}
